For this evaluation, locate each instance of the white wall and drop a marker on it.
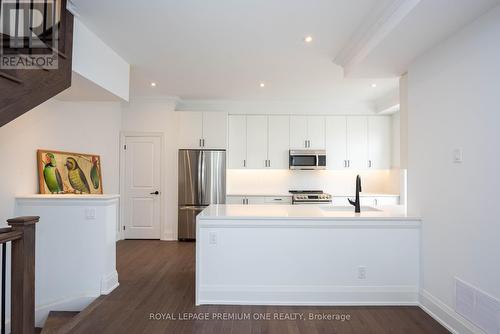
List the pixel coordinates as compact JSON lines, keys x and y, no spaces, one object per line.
{"x":88,"y":127}
{"x":454,"y":99}
{"x":97,"y":62}
{"x":340,"y":183}
{"x":157,"y":115}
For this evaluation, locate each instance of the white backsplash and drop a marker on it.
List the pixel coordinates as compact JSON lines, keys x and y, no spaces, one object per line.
{"x":333,"y":182}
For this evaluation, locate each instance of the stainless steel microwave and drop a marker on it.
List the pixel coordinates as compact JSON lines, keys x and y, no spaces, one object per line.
{"x":307,"y":159}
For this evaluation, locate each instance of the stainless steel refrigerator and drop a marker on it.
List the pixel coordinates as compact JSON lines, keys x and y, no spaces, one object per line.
{"x":202,"y":181}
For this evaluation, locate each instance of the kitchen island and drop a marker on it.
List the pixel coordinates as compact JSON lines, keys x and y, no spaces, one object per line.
{"x":306,"y":255}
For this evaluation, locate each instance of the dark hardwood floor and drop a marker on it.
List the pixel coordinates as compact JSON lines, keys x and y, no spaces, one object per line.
{"x":158,"y":277}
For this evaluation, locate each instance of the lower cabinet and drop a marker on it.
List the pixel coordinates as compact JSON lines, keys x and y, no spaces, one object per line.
{"x":248,"y":200}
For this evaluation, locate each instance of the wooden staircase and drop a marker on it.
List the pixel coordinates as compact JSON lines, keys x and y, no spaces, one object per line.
{"x":63,"y":322}
{"x":23,"y":89}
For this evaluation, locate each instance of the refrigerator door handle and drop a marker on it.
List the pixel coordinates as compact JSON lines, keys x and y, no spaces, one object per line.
{"x":201,"y":178}
{"x":193,"y":208}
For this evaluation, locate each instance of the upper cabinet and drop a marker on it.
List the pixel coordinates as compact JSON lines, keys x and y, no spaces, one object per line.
{"x":202,"y":130}
{"x":258,"y":142}
{"x":307,"y":132}
{"x":357,"y":142}
{"x":379,"y":142}
{"x":351,"y":142}
{"x":237,"y":142}
{"x":336,"y":142}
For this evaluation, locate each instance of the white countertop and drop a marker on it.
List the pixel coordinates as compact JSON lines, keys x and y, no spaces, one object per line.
{"x":68,"y":197}
{"x":290,"y":195}
{"x":301,"y":212}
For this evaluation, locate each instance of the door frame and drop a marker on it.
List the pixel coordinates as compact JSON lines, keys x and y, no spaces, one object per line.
{"x":121,"y":221}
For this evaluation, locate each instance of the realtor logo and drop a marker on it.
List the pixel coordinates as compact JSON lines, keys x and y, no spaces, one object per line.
{"x":29,"y":34}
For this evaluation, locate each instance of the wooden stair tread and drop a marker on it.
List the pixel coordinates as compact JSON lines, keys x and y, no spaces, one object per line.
{"x":56,"y":320}
{"x":70,"y":325}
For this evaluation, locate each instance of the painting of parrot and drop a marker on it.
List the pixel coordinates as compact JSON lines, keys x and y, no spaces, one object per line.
{"x":94,"y":173}
{"x":69,"y":173}
{"x":51,"y":175}
{"x":76,"y":176}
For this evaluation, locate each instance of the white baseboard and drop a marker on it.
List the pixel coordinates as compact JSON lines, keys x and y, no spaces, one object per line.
{"x":307,"y":295}
{"x":446,"y":316}
{"x":109,"y":283}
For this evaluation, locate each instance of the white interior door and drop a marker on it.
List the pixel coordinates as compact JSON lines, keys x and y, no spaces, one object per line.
{"x":142,"y":181}
{"x":279,"y":141}
{"x":190,"y":129}
{"x":237,"y":142}
{"x":215,"y":130}
{"x":336,"y":142}
{"x":316,"y":132}
{"x":256,"y":141}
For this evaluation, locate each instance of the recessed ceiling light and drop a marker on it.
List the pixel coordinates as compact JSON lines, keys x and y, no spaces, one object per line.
{"x":374,"y":85}
{"x":262,"y":85}
{"x":308,"y":39}
{"x":153,"y":84}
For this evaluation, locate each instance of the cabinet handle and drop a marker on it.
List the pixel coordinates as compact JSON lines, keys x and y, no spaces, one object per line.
{"x":201,"y":143}
{"x":305,"y":143}
{"x":349,"y":163}
{"x":369,"y":164}
{"x":345,"y":163}
{"x":244,"y":163}
{"x":268,"y":163}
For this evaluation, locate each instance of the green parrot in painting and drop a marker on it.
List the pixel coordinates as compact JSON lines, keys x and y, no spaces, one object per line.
{"x":51,"y":174}
{"x":76,"y":177}
{"x":94,"y":173}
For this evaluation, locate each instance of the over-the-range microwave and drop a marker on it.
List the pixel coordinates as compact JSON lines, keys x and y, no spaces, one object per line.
{"x":307,"y":159}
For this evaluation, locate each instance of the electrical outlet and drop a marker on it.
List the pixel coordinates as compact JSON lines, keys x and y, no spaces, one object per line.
{"x":90,"y":213}
{"x":361,"y":272}
{"x":212,"y":238}
{"x":458,"y":156}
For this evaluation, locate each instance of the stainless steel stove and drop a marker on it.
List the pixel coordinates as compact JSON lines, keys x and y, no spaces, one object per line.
{"x":310,"y":197}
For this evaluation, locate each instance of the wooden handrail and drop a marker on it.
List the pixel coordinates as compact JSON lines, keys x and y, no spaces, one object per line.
{"x":23,"y":275}
{"x":10,"y":236}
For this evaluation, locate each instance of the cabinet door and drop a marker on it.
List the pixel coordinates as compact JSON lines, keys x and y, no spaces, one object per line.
{"x":235,"y":200}
{"x":256,"y":200}
{"x":357,"y":142}
{"x":190,"y":129}
{"x":279,"y":141}
{"x":316,"y":132}
{"x":215,"y":130}
{"x":298,"y":132}
{"x":237,"y":141}
{"x":336,"y":142}
{"x":379,"y":142}
{"x":256,"y":141}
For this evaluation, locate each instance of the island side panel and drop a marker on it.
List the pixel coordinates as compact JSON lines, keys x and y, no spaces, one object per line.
{"x":274,"y":262}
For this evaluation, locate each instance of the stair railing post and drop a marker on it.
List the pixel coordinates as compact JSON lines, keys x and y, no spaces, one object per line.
{"x":23,"y":276}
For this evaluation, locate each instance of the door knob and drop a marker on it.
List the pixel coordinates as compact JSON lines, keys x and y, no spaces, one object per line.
{"x":155,"y":193}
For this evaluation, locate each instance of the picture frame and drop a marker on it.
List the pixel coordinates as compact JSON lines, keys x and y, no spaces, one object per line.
{"x":61,"y":172}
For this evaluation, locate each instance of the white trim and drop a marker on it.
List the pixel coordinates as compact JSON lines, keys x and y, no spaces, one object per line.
{"x":71,"y":7}
{"x":123,"y":137}
{"x":371,"y":34}
{"x":308,"y":295}
{"x":109,"y":282}
{"x":445,"y":315}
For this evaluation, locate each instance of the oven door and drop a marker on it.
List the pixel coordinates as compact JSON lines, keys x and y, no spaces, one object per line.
{"x":303,"y":161}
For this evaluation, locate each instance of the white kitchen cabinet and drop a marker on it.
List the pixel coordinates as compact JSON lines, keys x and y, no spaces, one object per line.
{"x":190,"y":129}
{"x":307,"y":132}
{"x":379,"y":142}
{"x":257,"y":141}
{"x":316,"y":132}
{"x":357,"y":142}
{"x":256,"y":200}
{"x":237,"y":142}
{"x":214,"y":130}
{"x":336,"y":142}
{"x":298,"y":132}
{"x":278,"y":141}
{"x":202,"y":130}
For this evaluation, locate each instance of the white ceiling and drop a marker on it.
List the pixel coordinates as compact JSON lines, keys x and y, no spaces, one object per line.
{"x":223,"y":49}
